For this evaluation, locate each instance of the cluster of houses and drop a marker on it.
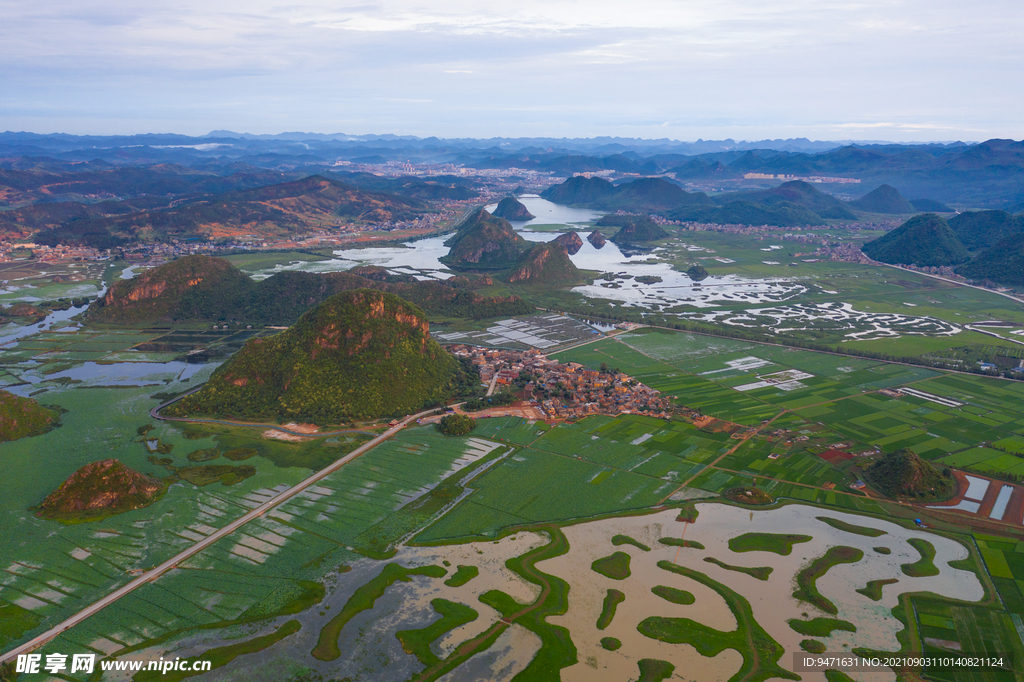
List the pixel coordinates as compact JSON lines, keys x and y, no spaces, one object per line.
{"x":564,"y":391}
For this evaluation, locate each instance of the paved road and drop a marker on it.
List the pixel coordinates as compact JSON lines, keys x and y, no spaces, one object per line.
{"x":166,"y":566}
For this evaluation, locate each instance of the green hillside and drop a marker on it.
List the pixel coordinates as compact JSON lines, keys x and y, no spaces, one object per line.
{"x":579,"y":191}
{"x":511,"y":208}
{"x":208,"y":289}
{"x":484,"y":242}
{"x":633,"y":228}
{"x":645,"y":195}
{"x":21,"y":417}
{"x":651,"y":195}
{"x":1003,"y":263}
{"x":158,"y":293}
{"x":781,"y":214}
{"x":883,"y":199}
{"x":546,"y":263}
{"x":930,"y":206}
{"x":795,"y":192}
{"x":360,"y":354}
{"x":904,"y":474}
{"x":924,"y":240}
{"x":982,"y":229}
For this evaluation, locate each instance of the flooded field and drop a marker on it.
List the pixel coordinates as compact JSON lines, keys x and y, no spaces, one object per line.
{"x":370,"y":647}
{"x":771,"y":600}
{"x":830,"y":317}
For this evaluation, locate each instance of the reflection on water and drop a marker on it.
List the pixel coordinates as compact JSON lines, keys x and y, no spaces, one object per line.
{"x":422,"y":259}
{"x":115,"y":374}
{"x":12,"y":332}
{"x":548,"y":213}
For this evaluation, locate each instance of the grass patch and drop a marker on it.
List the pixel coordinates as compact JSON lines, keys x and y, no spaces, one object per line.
{"x":821,"y":627}
{"x":851,"y":528}
{"x":673,"y":595}
{"x":873,"y":590}
{"x":923,"y":567}
{"x":364,"y":598}
{"x":688,"y":514}
{"x":610,"y":643}
{"x":807,"y":578}
{"x":557,"y":650}
{"x":615,"y":566}
{"x":204,"y":455}
{"x":766,"y":542}
{"x":212,"y":473}
{"x":679,"y":542}
{"x":833,"y":675}
{"x":653,"y":670}
{"x":221,"y":656}
{"x":238,"y":454}
{"x":15,"y":621}
{"x":463,"y":574}
{"x":760,"y":652}
{"x":812,"y":646}
{"x":760,"y":572}
{"x":882,"y":550}
{"x":611,"y":602}
{"x":417,"y":642}
{"x":619,"y":540}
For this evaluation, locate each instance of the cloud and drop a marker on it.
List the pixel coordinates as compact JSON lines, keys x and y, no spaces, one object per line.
{"x":585,"y":67}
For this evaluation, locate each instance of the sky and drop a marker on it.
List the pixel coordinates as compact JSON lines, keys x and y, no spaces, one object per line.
{"x":901,"y":70}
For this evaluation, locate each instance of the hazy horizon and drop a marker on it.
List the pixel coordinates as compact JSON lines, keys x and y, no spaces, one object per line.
{"x":913,"y":71}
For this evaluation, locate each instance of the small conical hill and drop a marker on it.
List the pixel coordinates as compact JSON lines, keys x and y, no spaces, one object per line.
{"x":924,"y":240}
{"x":511,"y":208}
{"x":904,"y":474}
{"x":484,"y":242}
{"x":361,"y":354}
{"x":546,"y":263}
{"x":885,"y":199}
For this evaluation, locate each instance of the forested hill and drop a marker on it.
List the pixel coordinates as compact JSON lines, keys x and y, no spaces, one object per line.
{"x":360,"y":354}
{"x":646,"y":195}
{"x":924,"y":240}
{"x":208,"y":289}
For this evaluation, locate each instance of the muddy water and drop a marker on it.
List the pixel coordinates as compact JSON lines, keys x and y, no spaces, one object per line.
{"x":587,"y":591}
{"x":771,"y":600}
{"x":370,"y":649}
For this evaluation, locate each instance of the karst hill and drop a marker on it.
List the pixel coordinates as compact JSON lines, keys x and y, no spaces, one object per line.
{"x":361,"y":354}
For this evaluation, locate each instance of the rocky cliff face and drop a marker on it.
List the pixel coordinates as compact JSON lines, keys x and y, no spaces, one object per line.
{"x":484,"y":241}
{"x":157,"y":293}
{"x":106,"y":486}
{"x":571,"y":241}
{"x":597,"y":239}
{"x":545,"y":263}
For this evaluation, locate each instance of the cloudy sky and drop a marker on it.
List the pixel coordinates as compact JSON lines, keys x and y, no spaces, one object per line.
{"x":681,"y":69}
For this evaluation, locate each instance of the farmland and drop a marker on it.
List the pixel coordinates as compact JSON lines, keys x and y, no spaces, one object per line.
{"x":474,"y":525}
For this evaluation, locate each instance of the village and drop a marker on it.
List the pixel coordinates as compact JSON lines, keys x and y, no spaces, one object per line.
{"x":563,"y":391}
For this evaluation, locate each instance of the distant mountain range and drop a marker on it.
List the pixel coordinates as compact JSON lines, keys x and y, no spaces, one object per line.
{"x":985,"y":175}
{"x":314,"y":202}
